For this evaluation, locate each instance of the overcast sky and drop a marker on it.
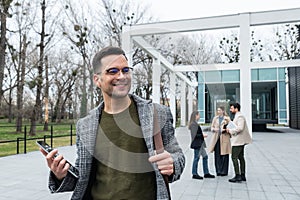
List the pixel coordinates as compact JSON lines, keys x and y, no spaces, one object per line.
{"x":166,"y":10}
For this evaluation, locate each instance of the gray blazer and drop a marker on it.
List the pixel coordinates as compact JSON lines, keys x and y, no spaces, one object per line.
{"x":87,"y":129}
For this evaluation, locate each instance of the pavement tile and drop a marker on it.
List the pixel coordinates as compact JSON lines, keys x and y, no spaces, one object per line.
{"x":272,"y":172}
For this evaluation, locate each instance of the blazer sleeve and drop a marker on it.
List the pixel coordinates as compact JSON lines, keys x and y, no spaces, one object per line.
{"x":171,"y":145}
{"x":69,"y":182}
{"x":66,"y":185}
{"x":240,"y":125}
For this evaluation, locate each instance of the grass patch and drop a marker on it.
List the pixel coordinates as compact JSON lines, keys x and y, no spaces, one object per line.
{"x":7,"y":149}
{"x":61,"y":137}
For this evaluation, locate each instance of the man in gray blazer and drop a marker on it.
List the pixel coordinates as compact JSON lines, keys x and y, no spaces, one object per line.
{"x":116,"y":157}
{"x":240,"y":136}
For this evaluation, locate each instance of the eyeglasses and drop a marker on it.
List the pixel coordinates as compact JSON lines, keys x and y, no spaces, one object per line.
{"x":114,"y":70}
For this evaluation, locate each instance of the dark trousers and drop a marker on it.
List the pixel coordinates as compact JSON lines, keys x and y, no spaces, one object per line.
{"x":238,"y":159}
{"x":221,"y":161}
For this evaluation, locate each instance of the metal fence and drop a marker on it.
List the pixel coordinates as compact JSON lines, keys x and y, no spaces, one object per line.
{"x":45,"y":136}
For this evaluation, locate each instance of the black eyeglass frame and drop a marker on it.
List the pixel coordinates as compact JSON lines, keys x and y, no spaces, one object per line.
{"x":124,"y":70}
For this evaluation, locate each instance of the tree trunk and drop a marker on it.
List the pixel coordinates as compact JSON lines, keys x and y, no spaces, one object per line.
{"x":83,"y":105}
{"x":3,"y":14}
{"x":46,"y":95}
{"x":20,"y":87}
{"x":56,"y":111}
{"x":38,"y":106}
{"x":10,"y":116}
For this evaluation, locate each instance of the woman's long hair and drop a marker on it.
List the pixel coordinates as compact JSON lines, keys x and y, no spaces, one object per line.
{"x":193,"y":118}
{"x":223,"y":109}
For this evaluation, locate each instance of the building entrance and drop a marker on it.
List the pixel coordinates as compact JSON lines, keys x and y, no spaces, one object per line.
{"x":264,"y":101}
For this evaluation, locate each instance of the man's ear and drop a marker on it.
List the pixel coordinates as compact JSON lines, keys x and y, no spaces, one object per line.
{"x":97,"y":82}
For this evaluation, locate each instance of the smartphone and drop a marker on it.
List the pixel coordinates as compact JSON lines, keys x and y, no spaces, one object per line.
{"x":48,"y":148}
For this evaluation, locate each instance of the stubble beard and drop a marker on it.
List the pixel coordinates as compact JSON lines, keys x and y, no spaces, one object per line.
{"x":117,"y":94}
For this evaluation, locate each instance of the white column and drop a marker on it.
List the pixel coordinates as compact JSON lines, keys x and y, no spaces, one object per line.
{"x":245,"y":70}
{"x":183,"y":104}
{"x":127,"y":47}
{"x":287,"y":97}
{"x":190,"y":101}
{"x":156,"y":81}
{"x":173,"y":96}
{"x":127,"y":44}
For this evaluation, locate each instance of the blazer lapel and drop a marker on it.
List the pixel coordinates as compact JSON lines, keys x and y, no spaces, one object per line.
{"x":90,"y":129}
{"x":145,"y":112}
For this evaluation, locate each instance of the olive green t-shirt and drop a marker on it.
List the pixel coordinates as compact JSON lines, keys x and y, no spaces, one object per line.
{"x":123,"y":170}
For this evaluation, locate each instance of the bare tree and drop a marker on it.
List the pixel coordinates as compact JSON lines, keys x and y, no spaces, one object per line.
{"x":20,"y":86}
{"x":117,"y":15}
{"x":39,"y":80}
{"x":46,"y":95}
{"x":286,"y":46}
{"x":10,"y":83}
{"x":142,"y":73}
{"x":230,"y":48}
{"x":79,"y":37}
{"x":22,"y":21}
{"x":64,"y":81}
{"x":4,"y":7}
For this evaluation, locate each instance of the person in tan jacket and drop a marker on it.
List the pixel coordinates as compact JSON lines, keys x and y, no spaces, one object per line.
{"x":220,"y":141}
{"x":240,"y":137}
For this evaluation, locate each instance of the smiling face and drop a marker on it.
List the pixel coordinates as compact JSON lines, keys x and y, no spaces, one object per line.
{"x":114,"y":85}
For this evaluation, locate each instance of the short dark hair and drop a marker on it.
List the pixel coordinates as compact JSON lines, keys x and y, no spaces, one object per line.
{"x":236,"y":105}
{"x":110,"y":50}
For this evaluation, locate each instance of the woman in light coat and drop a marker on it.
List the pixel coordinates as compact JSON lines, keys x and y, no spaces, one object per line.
{"x":220,"y":142}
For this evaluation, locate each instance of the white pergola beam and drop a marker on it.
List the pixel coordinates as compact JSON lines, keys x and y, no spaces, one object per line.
{"x":140,"y":41}
{"x":235,"y":66}
{"x":275,"y":17}
{"x":217,"y":22}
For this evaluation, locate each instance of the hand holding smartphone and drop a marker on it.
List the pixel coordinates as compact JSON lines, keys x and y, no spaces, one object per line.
{"x":47,"y":148}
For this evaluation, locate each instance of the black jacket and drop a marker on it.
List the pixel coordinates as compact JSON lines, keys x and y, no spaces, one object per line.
{"x":196,"y":135}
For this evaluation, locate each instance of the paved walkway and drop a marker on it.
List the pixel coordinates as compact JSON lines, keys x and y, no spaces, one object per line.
{"x":273,"y":172}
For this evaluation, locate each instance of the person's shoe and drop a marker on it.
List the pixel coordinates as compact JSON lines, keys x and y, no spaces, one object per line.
{"x":235,"y":179}
{"x":243,"y":176}
{"x":197,"y":177}
{"x":223,"y":174}
{"x":218,"y":174}
{"x":209,"y":176}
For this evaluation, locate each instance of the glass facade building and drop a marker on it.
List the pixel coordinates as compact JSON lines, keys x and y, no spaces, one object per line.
{"x":268,"y":90}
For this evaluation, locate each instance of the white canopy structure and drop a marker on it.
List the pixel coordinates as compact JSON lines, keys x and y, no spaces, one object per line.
{"x":243,"y":22}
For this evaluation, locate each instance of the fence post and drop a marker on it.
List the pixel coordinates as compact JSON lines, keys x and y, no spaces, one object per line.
{"x":18,"y":145}
{"x":51,"y":136}
{"x":25,"y":133}
{"x":71,"y":134}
